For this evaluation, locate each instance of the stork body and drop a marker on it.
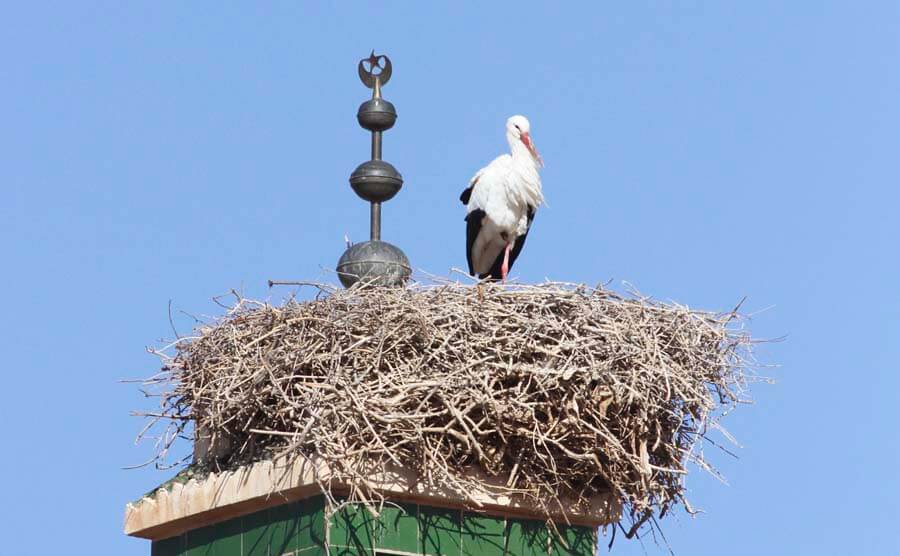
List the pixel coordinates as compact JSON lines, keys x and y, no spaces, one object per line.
{"x":501,"y":201}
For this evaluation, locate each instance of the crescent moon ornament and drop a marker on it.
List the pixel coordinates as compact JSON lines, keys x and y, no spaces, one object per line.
{"x":367,"y":70}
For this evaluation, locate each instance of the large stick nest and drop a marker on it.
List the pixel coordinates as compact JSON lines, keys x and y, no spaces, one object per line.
{"x":559,"y":390}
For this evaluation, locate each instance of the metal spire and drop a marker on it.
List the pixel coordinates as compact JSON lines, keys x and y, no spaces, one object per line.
{"x":375,"y":262}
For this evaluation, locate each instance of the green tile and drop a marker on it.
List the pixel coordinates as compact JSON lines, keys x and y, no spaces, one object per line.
{"x":257,"y":531}
{"x":228,"y":538}
{"x":483,"y":535}
{"x":311,"y":532}
{"x":285,"y":523}
{"x":397,"y":528}
{"x":526,"y":537}
{"x":581,"y":541}
{"x":351,"y":527}
{"x":167,"y":547}
{"x":440,"y":531}
{"x":199,"y":542}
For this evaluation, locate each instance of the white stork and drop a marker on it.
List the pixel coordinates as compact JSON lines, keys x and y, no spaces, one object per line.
{"x":500,"y":204}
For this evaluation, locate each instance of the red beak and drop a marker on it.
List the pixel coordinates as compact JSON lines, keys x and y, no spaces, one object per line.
{"x":526,"y":140}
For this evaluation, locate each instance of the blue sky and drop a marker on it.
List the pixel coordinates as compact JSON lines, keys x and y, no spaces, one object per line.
{"x":702,"y":151}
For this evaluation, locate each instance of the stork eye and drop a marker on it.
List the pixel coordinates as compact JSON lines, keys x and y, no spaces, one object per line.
{"x":517,"y":127}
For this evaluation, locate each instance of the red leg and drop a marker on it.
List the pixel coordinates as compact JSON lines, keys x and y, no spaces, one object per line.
{"x":504,"y":269}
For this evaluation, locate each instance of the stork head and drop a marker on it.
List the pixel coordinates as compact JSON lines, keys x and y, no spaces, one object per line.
{"x":518,"y":133}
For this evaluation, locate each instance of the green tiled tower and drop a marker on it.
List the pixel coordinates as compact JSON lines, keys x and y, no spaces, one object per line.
{"x":301,"y":528}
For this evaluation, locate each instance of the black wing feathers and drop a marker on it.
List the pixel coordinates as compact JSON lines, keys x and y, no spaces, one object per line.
{"x":473,"y":226}
{"x":466,"y":194}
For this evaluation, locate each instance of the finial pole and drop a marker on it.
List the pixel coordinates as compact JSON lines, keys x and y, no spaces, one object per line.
{"x":375,"y":261}
{"x":375,"y":224}
{"x":375,"y":213}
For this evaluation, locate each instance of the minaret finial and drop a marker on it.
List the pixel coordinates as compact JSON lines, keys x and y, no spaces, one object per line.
{"x":375,"y":262}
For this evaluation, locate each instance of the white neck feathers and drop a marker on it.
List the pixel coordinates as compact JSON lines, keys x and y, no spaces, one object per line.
{"x":526,"y":184}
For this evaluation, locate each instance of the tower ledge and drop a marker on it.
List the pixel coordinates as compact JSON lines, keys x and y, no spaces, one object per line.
{"x":179,"y":507}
